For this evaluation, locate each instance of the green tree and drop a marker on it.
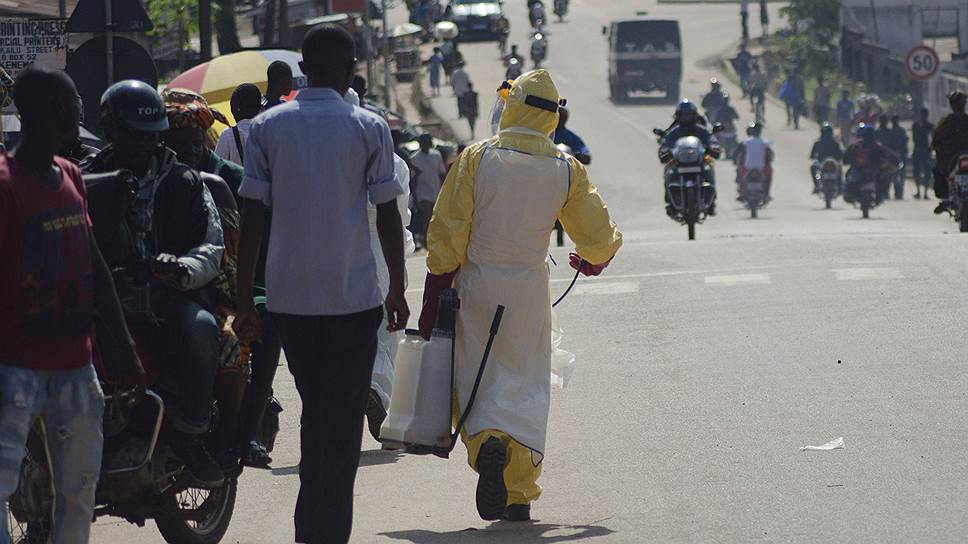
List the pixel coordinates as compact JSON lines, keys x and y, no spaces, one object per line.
{"x":174,"y":18}
{"x":815,"y":25}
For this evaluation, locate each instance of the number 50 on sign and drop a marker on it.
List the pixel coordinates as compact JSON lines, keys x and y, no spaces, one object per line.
{"x":922,"y":62}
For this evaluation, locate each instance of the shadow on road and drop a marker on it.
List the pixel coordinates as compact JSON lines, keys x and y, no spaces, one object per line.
{"x":506,"y":532}
{"x":371,"y":458}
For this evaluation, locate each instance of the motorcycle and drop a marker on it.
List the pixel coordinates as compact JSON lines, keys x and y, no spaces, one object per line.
{"x":862,"y":192}
{"x":727,"y":138}
{"x":754,"y":191}
{"x":690,"y":192}
{"x":958,"y":181}
{"x":561,"y":9}
{"x":828,"y":180}
{"x":141,"y":476}
{"x":514,"y":70}
{"x":539,"y":48}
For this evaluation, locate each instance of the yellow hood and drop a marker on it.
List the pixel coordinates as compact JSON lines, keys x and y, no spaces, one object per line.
{"x":518,"y":114}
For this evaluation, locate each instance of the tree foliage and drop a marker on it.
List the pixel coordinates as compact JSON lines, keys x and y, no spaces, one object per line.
{"x":809,"y":44}
{"x":177,"y":18}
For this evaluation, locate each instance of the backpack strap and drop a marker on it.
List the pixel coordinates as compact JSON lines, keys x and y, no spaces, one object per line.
{"x":238,"y":144}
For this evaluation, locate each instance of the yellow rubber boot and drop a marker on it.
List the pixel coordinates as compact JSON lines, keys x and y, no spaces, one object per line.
{"x":520,"y":474}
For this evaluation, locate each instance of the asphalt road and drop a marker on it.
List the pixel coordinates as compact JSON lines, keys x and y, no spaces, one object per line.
{"x":704,"y":366}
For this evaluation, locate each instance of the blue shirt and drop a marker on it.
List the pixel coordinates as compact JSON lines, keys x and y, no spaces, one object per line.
{"x":845,"y":109}
{"x":316,"y":161}
{"x":572,"y":140}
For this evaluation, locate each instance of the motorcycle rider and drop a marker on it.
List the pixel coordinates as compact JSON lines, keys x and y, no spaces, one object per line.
{"x":726,"y":115}
{"x":539,"y":48}
{"x":536,"y":14}
{"x":868,"y":160}
{"x":714,"y":99}
{"x":950,"y":137}
{"x":754,"y":154}
{"x":563,"y":135}
{"x":688,"y":122}
{"x":827,"y":147}
{"x":514,"y":54}
{"x":173,"y":223}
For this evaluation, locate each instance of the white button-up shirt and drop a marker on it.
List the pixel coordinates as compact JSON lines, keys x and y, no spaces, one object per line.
{"x":316,"y":161}
{"x":226,"y":148}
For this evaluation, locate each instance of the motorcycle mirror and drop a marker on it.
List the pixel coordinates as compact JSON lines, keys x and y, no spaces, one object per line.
{"x":658,"y":132}
{"x":717,"y":128}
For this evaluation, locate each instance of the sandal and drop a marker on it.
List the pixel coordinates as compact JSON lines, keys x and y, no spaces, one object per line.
{"x":256,"y":456}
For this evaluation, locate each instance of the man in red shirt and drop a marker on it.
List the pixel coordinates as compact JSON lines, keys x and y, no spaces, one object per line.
{"x":53,"y":282}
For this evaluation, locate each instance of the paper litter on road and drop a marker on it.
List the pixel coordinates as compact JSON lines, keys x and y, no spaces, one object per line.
{"x":837,"y":444}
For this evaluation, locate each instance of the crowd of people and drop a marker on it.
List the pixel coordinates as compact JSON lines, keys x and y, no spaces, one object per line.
{"x":244,"y":249}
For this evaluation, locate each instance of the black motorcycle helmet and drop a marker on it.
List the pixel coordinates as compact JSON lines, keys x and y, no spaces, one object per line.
{"x":754,"y":130}
{"x":135,"y":105}
{"x":826,"y":130}
{"x":686,"y":113}
{"x":865,"y":132}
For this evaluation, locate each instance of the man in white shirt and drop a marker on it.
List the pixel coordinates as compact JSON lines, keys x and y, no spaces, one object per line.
{"x":430,"y":176}
{"x":317,"y":161}
{"x":246,"y":103}
{"x":460,"y":82}
{"x":754,"y":154}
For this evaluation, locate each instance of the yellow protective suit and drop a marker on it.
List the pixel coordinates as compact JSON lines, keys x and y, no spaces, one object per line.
{"x":493,"y":221}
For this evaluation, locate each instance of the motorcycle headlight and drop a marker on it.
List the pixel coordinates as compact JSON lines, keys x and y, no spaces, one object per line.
{"x":686,"y":155}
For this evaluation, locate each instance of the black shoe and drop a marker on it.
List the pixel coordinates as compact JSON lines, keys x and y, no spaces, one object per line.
{"x":191,"y":450}
{"x":375,"y":414}
{"x":492,"y":494}
{"x":711,"y":212}
{"x":941,"y":208}
{"x":518,"y":512}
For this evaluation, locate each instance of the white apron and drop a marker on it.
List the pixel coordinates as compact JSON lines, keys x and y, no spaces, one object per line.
{"x":517,"y":199}
{"x":386,"y":350}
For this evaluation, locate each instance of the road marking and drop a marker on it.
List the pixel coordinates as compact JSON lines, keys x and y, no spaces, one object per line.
{"x":612,"y":288}
{"x":863,"y":274}
{"x":738,"y":279}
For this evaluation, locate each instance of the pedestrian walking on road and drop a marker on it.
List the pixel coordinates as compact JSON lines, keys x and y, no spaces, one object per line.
{"x":791,"y":93}
{"x":279,"y":83}
{"x":764,"y":18}
{"x":471,"y":108}
{"x":328,"y":328}
{"x":821,"y":101}
{"x":246,"y":104}
{"x":899,"y":143}
{"x":744,"y":17}
{"x":493,"y":223}
{"x":845,"y":116}
{"x":921,"y":155}
{"x":55,"y":282}
{"x":431,"y":170}
{"x":434,"y":66}
{"x":460,"y":82}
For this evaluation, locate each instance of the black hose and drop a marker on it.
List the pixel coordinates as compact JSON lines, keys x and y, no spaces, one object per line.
{"x":570,"y":287}
{"x":495,"y":326}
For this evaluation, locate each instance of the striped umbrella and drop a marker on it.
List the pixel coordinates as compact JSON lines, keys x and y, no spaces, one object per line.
{"x":216,"y":79}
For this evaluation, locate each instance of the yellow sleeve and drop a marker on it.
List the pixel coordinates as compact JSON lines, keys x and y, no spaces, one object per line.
{"x":450,"y":226}
{"x":586,"y":220}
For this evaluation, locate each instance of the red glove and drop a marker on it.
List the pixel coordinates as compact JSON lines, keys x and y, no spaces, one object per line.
{"x":434,"y":286}
{"x":585,"y":267}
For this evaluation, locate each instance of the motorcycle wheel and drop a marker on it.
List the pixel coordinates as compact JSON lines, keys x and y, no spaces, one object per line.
{"x":865,"y":209}
{"x":34,"y":529}
{"x":963,"y":221}
{"x":829,"y":199}
{"x":691,"y":214}
{"x":214,"y":508}
{"x":754,"y":211}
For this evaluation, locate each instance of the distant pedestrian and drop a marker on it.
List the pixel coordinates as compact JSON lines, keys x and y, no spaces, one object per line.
{"x":883,"y":133}
{"x":899,"y":144}
{"x":471,"y":108}
{"x":434,"y":66}
{"x":451,"y":57}
{"x":426,"y":186}
{"x":921,"y":155}
{"x":821,"y":101}
{"x":328,"y":328}
{"x":791,"y":93}
{"x":743,"y":64}
{"x":845,"y":116}
{"x":744,"y":16}
{"x":460,"y":82}
{"x":245,"y":104}
{"x":764,"y":18}
{"x":279,"y":83}
{"x":361,"y":89}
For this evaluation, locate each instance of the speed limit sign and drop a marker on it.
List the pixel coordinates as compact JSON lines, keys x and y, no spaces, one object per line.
{"x":922,"y":62}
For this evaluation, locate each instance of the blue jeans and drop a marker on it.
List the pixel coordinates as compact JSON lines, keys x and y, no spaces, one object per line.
{"x":72,"y":405}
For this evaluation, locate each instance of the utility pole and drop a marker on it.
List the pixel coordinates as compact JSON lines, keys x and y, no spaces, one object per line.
{"x":62,"y":8}
{"x":205,"y":29}
{"x":386,"y":57}
{"x":285,"y":36}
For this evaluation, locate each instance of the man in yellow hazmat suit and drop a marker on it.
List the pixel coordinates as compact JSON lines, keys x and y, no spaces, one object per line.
{"x":489,"y":238}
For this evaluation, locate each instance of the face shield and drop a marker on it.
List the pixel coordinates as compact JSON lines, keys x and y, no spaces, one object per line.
{"x":500,"y":103}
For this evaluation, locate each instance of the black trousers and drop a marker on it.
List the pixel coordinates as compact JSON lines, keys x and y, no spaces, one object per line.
{"x":331,"y":359}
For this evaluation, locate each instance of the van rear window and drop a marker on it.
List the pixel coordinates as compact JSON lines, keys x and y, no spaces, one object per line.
{"x":647,"y":36}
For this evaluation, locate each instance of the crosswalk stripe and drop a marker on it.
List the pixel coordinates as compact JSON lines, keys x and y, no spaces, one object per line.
{"x":607,"y":288}
{"x":739,"y":279}
{"x":863,"y":274}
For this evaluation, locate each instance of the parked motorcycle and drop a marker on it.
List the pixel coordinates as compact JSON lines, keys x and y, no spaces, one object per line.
{"x":561,"y":9}
{"x":958,"y":181}
{"x":754,"y":191}
{"x":690,"y":193}
{"x":828,"y":180}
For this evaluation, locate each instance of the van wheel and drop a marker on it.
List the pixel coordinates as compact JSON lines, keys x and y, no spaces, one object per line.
{"x":618,"y":92}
